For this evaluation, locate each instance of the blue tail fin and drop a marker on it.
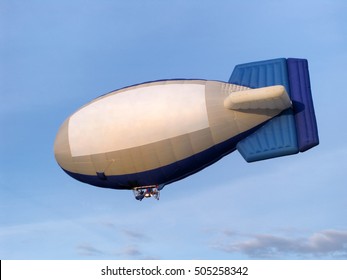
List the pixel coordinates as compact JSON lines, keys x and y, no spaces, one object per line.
{"x":300,"y":91}
{"x":295,"y":129}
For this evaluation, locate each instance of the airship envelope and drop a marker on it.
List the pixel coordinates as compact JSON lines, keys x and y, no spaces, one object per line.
{"x":146,"y":136}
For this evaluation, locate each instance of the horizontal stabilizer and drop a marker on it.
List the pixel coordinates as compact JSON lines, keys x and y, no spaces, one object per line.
{"x":273,"y":98}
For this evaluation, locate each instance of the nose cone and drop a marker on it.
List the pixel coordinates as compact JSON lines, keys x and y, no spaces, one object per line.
{"x":62,"y":151}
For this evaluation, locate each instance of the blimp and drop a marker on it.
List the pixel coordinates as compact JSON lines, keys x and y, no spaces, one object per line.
{"x":146,"y":136}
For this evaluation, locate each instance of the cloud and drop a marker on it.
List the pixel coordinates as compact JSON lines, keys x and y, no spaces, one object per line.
{"x":131,"y":251}
{"x":125,"y":252}
{"x":134,"y":234}
{"x":134,"y":252}
{"x":119,"y":240}
{"x":88,"y":250}
{"x":327,"y":244}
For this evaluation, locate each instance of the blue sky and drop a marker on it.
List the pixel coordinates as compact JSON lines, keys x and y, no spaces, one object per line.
{"x":58,"y":55}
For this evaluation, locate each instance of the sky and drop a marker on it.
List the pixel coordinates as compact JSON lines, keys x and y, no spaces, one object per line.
{"x":55,"y":56}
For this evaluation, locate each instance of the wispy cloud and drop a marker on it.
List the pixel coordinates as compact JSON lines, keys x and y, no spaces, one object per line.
{"x":327,"y":244}
{"x":131,"y":251}
{"x":119,"y":241}
{"x":134,"y":234}
{"x":88,"y":250}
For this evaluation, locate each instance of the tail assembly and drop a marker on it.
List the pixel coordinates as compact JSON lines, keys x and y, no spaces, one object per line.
{"x":293,"y":131}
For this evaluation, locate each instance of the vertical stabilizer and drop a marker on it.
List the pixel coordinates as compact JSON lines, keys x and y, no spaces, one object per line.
{"x":295,"y":129}
{"x":300,"y":90}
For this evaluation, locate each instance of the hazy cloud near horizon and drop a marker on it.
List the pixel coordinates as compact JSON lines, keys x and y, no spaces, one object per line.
{"x":327,"y":244}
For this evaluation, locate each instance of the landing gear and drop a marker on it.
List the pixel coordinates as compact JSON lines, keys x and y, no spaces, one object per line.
{"x":147,"y":191}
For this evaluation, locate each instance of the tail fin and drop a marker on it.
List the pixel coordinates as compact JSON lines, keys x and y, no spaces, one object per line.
{"x":295,"y":129}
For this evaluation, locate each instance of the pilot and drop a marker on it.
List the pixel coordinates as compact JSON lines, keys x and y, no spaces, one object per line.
{"x":139,"y":194}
